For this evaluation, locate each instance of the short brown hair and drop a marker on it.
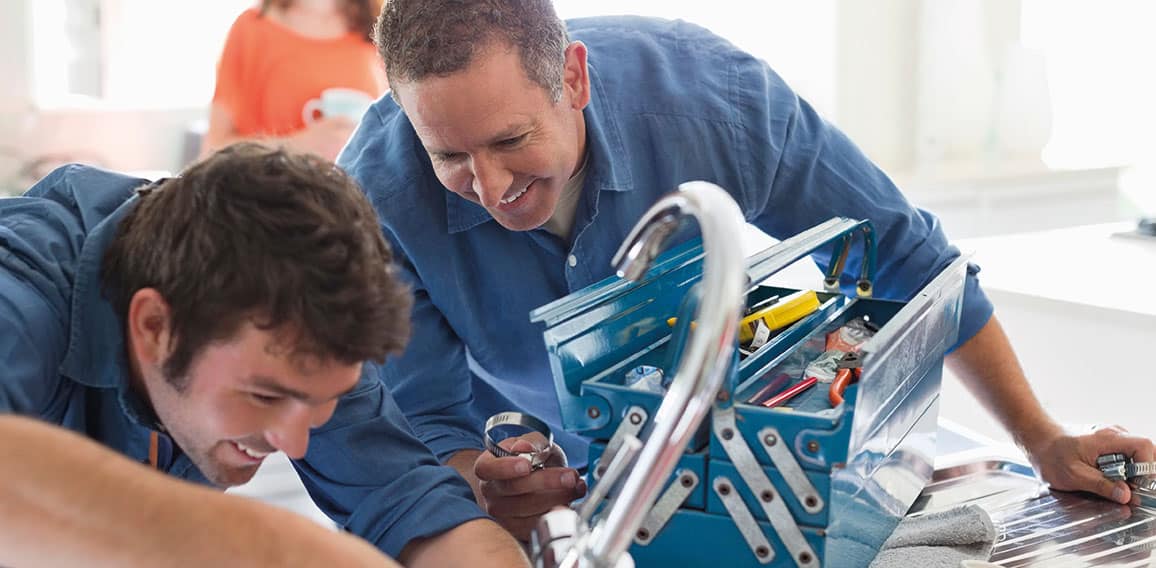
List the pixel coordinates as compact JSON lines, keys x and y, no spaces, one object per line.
{"x":286,"y":241}
{"x":434,"y":38}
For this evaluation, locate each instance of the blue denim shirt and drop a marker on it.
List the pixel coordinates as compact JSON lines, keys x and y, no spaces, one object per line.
{"x":670,"y":103}
{"x":62,"y":360}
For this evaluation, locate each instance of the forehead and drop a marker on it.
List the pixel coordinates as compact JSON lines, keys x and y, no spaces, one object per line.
{"x":256,"y":355}
{"x":467,"y":108}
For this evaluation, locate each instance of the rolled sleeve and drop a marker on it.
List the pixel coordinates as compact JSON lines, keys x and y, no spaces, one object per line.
{"x":977,"y":308}
{"x":369,"y":473}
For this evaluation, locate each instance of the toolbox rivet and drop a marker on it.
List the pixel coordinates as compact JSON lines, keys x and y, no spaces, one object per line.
{"x":724,"y":489}
{"x":593,"y":412}
{"x":805,"y":558}
{"x":770,"y":440}
{"x":762,"y":552}
{"x":643,"y":534}
{"x":727,"y":433}
{"x":599,"y":471}
{"x":811,"y":501}
{"x":767,"y":496}
{"x":635,"y":418}
{"x":686,"y":481}
{"x":813,"y":446}
{"x":723,"y":396}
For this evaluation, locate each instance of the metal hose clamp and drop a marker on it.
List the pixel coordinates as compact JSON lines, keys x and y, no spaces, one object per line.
{"x":536,"y":458}
{"x":1122,"y":468}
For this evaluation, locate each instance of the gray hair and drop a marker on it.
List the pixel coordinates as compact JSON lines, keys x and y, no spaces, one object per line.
{"x":435,"y":38}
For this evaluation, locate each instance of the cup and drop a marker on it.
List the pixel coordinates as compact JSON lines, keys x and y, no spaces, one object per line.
{"x":337,"y":101}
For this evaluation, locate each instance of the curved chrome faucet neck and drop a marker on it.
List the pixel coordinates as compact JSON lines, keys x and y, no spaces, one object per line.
{"x":706,"y":359}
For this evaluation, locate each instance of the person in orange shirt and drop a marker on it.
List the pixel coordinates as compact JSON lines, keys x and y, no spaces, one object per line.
{"x":285,"y":53}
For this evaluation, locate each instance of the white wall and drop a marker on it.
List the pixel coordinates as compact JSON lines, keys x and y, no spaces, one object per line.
{"x":875,"y":75}
{"x":15,"y":68}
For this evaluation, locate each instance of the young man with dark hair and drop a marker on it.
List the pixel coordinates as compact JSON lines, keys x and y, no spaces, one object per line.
{"x":196,"y":325}
{"x":516,"y":153}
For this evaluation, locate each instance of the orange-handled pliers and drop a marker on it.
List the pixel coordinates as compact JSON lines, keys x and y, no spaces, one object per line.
{"x":847,"y":372}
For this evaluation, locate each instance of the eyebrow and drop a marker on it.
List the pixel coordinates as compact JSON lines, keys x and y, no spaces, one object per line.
{"x":270,"y":385}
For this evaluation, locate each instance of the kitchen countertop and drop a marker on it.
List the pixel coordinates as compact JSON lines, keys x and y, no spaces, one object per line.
{"x":1092,"y":265}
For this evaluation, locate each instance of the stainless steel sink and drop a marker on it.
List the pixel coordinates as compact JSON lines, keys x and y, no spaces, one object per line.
{"x":1039,"y":527}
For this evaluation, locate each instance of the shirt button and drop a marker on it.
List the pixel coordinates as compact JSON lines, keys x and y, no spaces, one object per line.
{"x":572,"y":261}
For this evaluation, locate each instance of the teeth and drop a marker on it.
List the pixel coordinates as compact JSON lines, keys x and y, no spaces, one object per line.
{"x":514,"y":197}
{"x":251,"y":452}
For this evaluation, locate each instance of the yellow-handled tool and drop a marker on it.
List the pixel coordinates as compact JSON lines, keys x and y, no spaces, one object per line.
{"x":775,"y":316}
{"x":780,"y":314}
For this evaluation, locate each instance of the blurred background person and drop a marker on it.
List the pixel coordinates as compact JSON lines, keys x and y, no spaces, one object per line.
{"x":297,"y":73}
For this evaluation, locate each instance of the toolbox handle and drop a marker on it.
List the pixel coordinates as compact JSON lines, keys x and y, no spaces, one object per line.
{"x":839,"y":230}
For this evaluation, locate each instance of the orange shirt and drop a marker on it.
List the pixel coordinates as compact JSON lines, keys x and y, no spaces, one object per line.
{"x":268,"y":72}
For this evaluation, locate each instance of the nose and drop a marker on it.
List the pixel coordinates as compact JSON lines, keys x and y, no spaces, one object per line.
{"x":491,"y":180}
{"x":290,"y":433}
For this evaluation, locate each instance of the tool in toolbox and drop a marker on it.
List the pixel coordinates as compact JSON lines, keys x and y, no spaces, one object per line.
{"x":751,"y":486}
{"x":849,"y":368}
{"x":771,"y":315}
{"x":780,"y":314}
{"x":789,"y":393}
{"x":773,"y":387}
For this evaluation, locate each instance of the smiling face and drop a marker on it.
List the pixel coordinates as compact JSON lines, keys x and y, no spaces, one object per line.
{"x":498,"y":139}
{"x":241,"y":399}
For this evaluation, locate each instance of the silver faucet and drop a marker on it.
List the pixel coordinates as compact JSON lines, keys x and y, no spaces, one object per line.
{"x":706,"y":359}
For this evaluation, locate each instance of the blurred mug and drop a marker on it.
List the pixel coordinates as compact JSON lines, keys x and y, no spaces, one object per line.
{"x":337,"y":101}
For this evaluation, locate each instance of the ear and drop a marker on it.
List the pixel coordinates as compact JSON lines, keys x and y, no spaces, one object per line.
{"x":576,"y":76}
{"x":149,"y":328}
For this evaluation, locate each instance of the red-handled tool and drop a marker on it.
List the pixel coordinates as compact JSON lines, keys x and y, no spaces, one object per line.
{"x":848,"y":372}
{"x":790,"y":392}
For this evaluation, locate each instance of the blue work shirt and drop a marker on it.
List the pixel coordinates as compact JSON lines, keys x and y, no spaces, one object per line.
{"x":669,"y":103}
{"x":62,"y":359}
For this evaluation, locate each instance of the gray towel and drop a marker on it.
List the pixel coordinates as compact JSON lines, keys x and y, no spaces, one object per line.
{"x":941,"y":539}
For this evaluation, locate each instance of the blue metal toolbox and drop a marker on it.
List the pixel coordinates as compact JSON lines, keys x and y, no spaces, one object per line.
{"x":806,"y":483}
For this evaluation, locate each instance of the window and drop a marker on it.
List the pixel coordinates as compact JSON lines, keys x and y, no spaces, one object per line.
{"x":129,"y":53}
{"x":1099,"y":60}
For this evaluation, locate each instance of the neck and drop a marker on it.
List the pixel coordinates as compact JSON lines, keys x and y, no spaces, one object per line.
{"x":581,"y":144}
{"x":319,"y":19}
{"x":314,"y":6}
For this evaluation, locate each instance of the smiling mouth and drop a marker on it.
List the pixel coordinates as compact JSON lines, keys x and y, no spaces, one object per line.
{"x":515,"y":197}
{"x":255,"y":454}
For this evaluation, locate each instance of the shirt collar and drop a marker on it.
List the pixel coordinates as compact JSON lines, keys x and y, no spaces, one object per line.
{"x":609,"y":162}
{"x":96,"y":350}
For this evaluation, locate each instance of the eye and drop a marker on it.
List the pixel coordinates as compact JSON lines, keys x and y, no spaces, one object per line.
{"x":447,"y":156}
{"x":264,"y":399}
{"x":511,"y":142}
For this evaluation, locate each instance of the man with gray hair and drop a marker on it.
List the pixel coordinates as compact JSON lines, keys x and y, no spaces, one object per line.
{"x":516,"y":153}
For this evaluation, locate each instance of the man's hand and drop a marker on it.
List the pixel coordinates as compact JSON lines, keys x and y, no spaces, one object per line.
{"x":1068,"y":462}
{"x":516,"y":496}
{"x":988,"y":367}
